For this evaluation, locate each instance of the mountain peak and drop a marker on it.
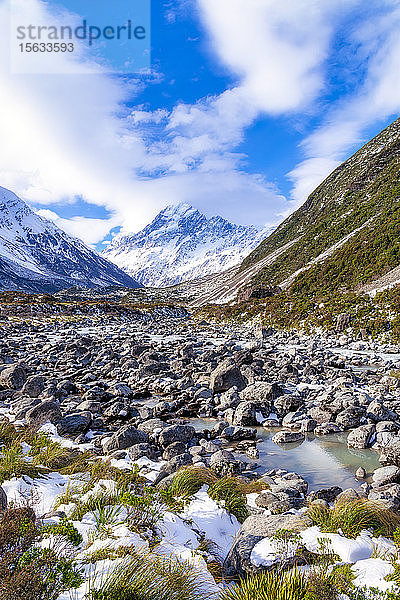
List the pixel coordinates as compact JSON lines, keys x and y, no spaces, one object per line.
{"x":181,"y":244}
{"x":179,"y":209}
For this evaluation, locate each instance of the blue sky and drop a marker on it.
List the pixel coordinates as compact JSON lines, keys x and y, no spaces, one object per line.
{"x":246,"y":107}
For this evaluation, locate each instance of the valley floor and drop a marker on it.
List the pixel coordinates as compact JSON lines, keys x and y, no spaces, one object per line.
{"x":137,"y":459}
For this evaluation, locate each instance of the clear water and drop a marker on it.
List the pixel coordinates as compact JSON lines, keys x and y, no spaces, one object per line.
{"x":323,"y":461}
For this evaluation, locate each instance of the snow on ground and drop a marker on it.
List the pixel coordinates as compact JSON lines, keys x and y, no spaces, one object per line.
{"x":371,"y":573}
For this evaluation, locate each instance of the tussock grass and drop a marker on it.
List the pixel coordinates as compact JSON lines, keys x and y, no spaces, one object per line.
{"x":271,"y":585}
{"x":14,"y":464}
{"x":229,"y":491}
{"x":351,"y":517}
{"x":143,"y":576}
{"x":10,"y":435}
{"x":189,"y":480}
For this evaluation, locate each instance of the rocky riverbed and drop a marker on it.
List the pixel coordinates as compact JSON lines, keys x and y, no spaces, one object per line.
{"x":129,"y":393}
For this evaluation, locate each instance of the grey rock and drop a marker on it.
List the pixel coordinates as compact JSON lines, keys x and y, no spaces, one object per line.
{"x":361,"y":437}
{"x":78,"y":422}
{"x":152,"y":425}
{"x":288,"y":437}
{"x":238,"y":433}
{"x":34,"y":386}
{"x":124,"y":438}
{"x":177,"y":462}
{"x":255,"y":528}
{"x":350,"y":417}
{"x":176,"y":433}
{"x":174,"y":449}
{"x":385,"y":475}
{"x":327,"y":428}
{"x":43,"y":413}
{"x":142,"y":450}
{"x":13,"y":377}
{"x":361,"y":473}
{"x":225,"y":376}
{"x":223,"y":463}
{"x":245,"y":414}
{"x":261,"y":392}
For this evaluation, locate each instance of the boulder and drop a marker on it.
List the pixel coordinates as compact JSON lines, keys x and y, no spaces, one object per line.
{"x":152,"y":425}
{"x":182,"y":460}
{"x":261,"y":392}
{"x":288,"y":437}
{"x":378,"y":412}
{"x":143,"y":449}
{"x":385,"y":475}
{"x":74,"y":423}
{"x":361,"y":437}
{"x":13,"y":377}
{"x":174,"y":449}
{"x":255,"y":528}
{"x":328,"y":495}
{"x":239,"y":433}
{"x":287,"y":404}
{"x":245,"y":414}
{"x":176,"y":433}
{"x":124,"y":438}
{"x":225,"y":376}
{"x":34,"y":386}
{"x":224,"y":463}
{"x":391,"y":455}
{"x":327,"y":428}
{"x":272,"y":502}
{"x":43,"y":413}
{"x":321,"y":415}
{"x":350,"y":417}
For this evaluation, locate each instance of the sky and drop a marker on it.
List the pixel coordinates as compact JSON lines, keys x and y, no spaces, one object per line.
{"x":238,"y":107}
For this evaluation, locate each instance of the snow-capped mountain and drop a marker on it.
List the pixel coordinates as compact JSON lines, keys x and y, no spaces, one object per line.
{"x":37,"y":256}
{"x":182,"y":244}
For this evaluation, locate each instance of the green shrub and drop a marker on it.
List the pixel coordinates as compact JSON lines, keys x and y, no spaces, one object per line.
{"x":28,"y":572}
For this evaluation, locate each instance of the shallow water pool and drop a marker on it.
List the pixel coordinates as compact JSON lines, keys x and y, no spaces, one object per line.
{"x":323,"y":461}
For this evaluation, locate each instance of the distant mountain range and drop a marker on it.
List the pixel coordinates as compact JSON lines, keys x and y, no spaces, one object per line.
{"x":37,"y":256}
{"x":182,"y":244}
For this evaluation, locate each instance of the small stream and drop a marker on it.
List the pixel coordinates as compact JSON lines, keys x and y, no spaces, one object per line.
{"x":323,"y":461}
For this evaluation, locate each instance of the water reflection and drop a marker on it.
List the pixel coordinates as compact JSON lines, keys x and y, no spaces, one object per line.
{"x":323,"y":461}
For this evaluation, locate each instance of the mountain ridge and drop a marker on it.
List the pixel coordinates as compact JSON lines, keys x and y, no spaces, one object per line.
{"x":345,"y":238}
{"x":37,"y":256}
{"x":182,"y":244}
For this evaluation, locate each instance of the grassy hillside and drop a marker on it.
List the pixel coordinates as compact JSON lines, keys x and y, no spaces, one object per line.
{"x":360,"y":199}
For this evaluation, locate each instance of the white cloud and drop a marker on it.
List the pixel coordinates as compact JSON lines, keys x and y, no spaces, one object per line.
{"x":90,"y":230}
{"x":277,"y":49}
{"x":375,"y":101}
{"x":69,"y":136}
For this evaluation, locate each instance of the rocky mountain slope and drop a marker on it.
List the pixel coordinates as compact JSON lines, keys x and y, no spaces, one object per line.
{"x":346,"y":237}
{"x":182,"y":244}
{"x":37,"y":256}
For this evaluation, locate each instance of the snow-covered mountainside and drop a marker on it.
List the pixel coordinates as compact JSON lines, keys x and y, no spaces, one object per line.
{"x":37,"y":256}
{"x":182,"y":244}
